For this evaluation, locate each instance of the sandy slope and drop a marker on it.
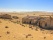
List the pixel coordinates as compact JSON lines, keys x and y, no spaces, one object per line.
{"x":19,"y":32}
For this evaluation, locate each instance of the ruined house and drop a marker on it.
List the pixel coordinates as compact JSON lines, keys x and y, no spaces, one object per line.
{"x":30,"y":19}
{"x":42,"y":22}
{"x":5,"y":16}
{"x":46,"y":22}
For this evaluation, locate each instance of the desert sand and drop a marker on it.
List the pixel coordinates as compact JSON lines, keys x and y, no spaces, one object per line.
{"x":15,"y":30}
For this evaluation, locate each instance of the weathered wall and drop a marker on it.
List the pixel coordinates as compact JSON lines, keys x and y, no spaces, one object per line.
{"x":43,"y":22}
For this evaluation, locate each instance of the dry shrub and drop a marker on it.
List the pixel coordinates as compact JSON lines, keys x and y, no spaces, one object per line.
{"x":33,"y":14}
{"x":6,"y":27}
{"x":36,"y":29}
{"x":28,"y":35}
{"x":8,"y":32}
{"x":41,"y":29}
{"x":0,"y":36}
{"x":15,"y":17}
{"x":23,"y":25}
{"x":44,"y":37}
{"x":30,"y":26}
{"x":51,"y":32}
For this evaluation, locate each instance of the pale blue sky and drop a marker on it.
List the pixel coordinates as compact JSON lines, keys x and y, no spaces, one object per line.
{"x":36,"y":5}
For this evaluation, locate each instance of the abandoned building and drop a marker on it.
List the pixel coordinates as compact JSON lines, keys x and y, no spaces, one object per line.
{"x":30,"y":19}
{"x":43,"y":22}
{"x":5,"y":16}
{"x":47,"y":23}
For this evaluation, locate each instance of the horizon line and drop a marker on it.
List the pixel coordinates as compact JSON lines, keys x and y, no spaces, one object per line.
{"x":22,"y":10}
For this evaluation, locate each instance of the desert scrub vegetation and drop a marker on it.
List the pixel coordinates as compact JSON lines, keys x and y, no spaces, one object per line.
{"x":8,"y":32}
{"x":0,"y":36}
{"x":16,"y":21}
{"x":36,"y":29}
{"x":15,"y":17}
{"x":6,"y":27}
{"x":44,"y":37}
{"x":28,"y":35}
{"x":31,"y":26}
{"x":33,"y":14}
{"x":22,"y":24}
{"x":42,"y":29}
{"x":0,"y":22}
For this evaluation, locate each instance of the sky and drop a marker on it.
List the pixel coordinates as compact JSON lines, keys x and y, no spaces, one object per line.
{"x":26,"y":5}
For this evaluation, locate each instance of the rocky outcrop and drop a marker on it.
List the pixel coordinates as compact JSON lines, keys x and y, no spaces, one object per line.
{"x":5,"y":16}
